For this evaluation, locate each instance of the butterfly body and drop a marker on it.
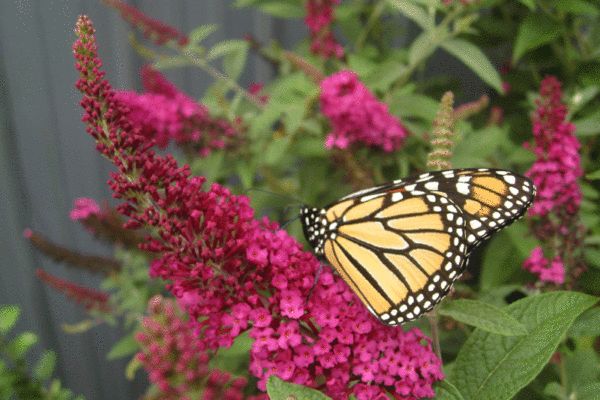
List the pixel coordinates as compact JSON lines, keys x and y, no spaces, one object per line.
{"x":401,"y":245}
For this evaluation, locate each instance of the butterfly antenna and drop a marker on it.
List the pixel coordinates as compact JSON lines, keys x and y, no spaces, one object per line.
{"x":289,"y":222}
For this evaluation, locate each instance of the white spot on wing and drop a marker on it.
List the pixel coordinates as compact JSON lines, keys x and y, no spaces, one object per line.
{"x":397,"y":197}
{"x":432,"y":185}
{"x":463,"y":188}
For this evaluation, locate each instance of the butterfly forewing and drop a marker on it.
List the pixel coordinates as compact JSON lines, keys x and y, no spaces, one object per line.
{"x":490,"y":199}
{"x":402,"y":244}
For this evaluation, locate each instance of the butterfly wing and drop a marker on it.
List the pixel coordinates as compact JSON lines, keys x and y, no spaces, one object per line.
{"x":490,"y":199}
{"x":402,"y":244}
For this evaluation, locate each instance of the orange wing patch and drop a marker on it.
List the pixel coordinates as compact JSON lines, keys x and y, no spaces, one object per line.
{"x":373,"y":233}
{"x":337,"y":210}
{"x":492,"y":183}
{"x":411,"y":206}
{"x":419,"y":222}
{"x":362,"y":210}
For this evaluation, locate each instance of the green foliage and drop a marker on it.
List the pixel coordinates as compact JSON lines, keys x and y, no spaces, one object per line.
{"x":491,"y":366}
{"x":16,"y":378}
{"x":281,"y":390}
{"x":511,"y":344}
{"x":503,"y":350}
{"x":483,"y":316}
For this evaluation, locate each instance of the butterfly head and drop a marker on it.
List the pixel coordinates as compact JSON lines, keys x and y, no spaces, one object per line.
{"x":313,"y":228}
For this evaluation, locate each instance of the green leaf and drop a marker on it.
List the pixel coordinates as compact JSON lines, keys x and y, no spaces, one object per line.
{"x":261,"y":125}
{"x":282,"y":390}
{"x":8,"y":317}
{"x":535,"y":31}
{"x":592,"y":256}
{"x":589,"y":219}
{"x":294,"y":116}
{"x":484,"y":316}
{"x":593,"y":176}
{"x":124,"y":347}
{"x":234,"y":53}
{"x":132,"y":366}
{"x":171,"y":62}
{"x":578,"y":7}
{"x":276,"y":150}
{"x":497,"y":296}
{"x":444,"y":390}
{"x":499,"y":262}
{"x":414,"y":105}
{"x":588,"y":126}
{"x":420,"y":49}
{"x":291,"y":89}
{"x":246,"y":3}
{"x":529,"y":4}
{"x":240,"y":347}
{"x":553,"y":389}
{"x":245,"y":173}
{"x":346,"y":10}
{"x":282,"y":10}
{"x":589,"y":192}
{"x":582,"y":97}
{"x":200,"y":33}
{"x":411,"y":11}
{"x":79,"y":327}
{"x":385,"y":74}
{"x":581,"y":367}
{"x":477,"y":147}
{"x":363,"y":65}
{"x":588,"y":392}
{"x":491,"y":366}
{"x":235,"y":61}
{"x":19,"y":345}
{"x":521,"y":239}
{"x":223,"y":48}
{"x":587,"y":324}
{"x":521,"y":156}
{"x":311,"y":147}
{"x":312,"y":126}
{"x":45,"y":365}
{"x":476,"y":60}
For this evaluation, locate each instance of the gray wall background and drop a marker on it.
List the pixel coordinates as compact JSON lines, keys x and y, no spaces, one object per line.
{"x":47,"y":160}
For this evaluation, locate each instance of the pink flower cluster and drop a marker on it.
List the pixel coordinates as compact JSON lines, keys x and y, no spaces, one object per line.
{"x":558,"y":165}
{"x":547,"y":271}
{"x":357,"y":116}
{"x":319,"y":17}
{"x":163,"y":113}
{"x":233,"y":273}
{"x":555,"y":173}
{"x":177,"y":363}
{"x":331,"y":338}
{"x":84,"y":208}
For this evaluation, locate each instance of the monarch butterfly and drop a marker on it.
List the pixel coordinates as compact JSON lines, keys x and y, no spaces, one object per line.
{"x":401,"y":245}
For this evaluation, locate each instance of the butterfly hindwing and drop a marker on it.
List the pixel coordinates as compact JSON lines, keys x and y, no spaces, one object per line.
{"x":401,"y":245}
